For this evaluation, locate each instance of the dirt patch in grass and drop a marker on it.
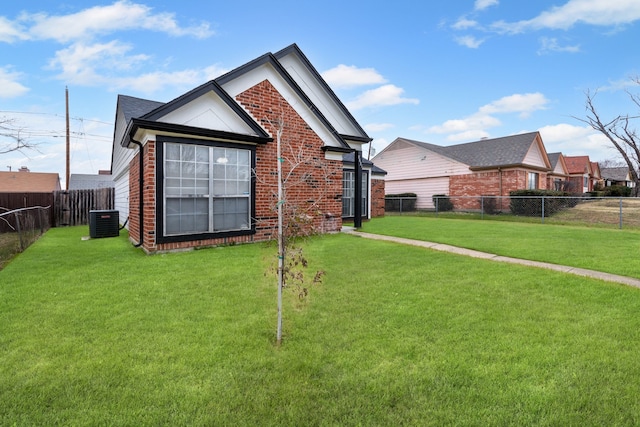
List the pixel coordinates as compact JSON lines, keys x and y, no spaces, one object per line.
{"x":604,"y":212}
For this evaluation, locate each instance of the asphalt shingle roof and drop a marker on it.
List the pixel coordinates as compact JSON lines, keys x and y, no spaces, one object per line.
{"x":133,"y":107}
{"x":615,"y":174}
{"x":504,"y":151}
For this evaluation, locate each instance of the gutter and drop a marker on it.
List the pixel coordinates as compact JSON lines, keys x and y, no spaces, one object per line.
{"x":141,"y":192}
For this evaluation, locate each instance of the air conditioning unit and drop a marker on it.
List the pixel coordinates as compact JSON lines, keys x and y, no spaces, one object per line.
{"x":104,"y":223}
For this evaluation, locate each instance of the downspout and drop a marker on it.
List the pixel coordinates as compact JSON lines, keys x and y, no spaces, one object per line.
{"x":141,"y":192}
{"x":500,"y":185}
{"x":357,"y":187}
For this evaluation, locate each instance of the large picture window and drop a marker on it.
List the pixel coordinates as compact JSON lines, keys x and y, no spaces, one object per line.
{"x":206,"y":189}
{"x":348,"y":194}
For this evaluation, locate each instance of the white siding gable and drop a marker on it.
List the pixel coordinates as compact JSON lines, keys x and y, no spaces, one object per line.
{"x":406,"y":161}
{"x":535,"y":157}
{"x":558,"y":169}
{"x":318,"y":95}
{"x":208,"y":112}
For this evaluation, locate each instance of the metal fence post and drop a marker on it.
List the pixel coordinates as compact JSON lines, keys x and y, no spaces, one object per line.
{"x":542,"y":220}
{"x":620,"y":213}
{"x":481,"y":207}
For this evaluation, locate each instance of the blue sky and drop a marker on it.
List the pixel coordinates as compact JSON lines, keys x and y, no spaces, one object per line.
{"x":441,"y":72}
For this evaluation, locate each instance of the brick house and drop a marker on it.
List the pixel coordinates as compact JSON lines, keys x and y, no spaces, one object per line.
{"x":581,"y":174}
{"x":201,"y":170}
{"x":557,"y":178}
{"x":489,"y":167}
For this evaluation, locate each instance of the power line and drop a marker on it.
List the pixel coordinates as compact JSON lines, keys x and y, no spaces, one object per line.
{"x":55,"y":115}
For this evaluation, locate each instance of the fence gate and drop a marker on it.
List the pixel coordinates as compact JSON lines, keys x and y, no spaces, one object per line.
{"x":72,"y":207}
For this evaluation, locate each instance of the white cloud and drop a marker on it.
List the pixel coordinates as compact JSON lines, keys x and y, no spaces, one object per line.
{"x":550,"y":44}
{"x":378,"y":127}
{"x":80,"y":63}
{"x":383,"y":96}
{"x":9,"y":86}
{"x":524,"y":104}
{"x":345,"y":76}
{"x":475,"y":125}
{"x":10,"y":31}
{"x":591,"y":12}
{"x":464,"y":24}
{"x":152,"y":82}
{"x":97,"y":20}
{"x":469,"y":41}
{"x":573,"y":140}
{"x":470,"y":135}
{"x":103,"y":64}
{"x":483,"y":4}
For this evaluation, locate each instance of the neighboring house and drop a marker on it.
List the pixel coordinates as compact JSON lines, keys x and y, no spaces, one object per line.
{"x":25,"y":181}
{"x":201,"y":170}
{"x":91,"y":182}
{"x":464,"y":171}
{"x":557,"y":178}
{"x":580,"y":173}
{"x":617,"y":176}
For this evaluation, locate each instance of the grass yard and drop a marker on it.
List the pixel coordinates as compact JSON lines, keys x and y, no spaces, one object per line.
{"x":97,"y":333}
{"x":608,"y":250}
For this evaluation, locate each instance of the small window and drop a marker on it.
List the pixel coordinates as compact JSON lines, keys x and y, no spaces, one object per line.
{"x":532,"y":183}
{"x":348,"y":194}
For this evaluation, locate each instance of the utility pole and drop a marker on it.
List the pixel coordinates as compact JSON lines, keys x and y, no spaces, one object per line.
{"x":66,"y":96}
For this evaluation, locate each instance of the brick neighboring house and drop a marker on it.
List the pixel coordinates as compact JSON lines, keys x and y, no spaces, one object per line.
{"x":201,"y":170}
{"x":25,"y":181}
{"x":489,"y":167}
{"x":580,"y":173}
{"x":557,"y":178}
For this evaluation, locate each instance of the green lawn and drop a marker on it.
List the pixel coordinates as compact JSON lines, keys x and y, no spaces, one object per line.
{"x":609,"y":250}
{"x":97,"y":333}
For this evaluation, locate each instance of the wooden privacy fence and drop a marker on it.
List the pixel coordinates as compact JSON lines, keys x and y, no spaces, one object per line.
{"x":72,"y":207}
{"x":11,"y":201}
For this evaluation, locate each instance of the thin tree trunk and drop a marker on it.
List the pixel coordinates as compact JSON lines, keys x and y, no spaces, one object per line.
{"x":281,"y":246}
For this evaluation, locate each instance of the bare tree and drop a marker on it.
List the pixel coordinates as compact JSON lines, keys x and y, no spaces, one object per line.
{"x":295,"y":217}
{"x":620,"y":132}
{"x":12,"y":137}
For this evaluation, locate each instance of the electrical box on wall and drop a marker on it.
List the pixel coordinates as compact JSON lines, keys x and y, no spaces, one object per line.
{"x":104,"y":223}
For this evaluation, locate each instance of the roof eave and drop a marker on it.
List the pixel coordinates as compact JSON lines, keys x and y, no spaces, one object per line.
{"x":137,"y":124}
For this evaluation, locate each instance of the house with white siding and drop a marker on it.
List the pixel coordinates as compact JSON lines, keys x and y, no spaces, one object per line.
{"x":488,"y":167}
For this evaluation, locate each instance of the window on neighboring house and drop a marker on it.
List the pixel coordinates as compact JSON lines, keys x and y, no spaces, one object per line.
{"x":532,"y":183}
{"x":585,"y":182}
{"x":348,"y":193}
{"x":206,"y":189}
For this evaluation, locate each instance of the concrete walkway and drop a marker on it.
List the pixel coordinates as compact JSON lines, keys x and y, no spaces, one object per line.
{"x":630,"y":281}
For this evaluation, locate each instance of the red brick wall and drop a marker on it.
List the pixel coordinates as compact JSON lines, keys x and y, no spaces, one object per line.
{"x":377,"y":198}
{"x":314,"y":187}
{"x":313,"y":191}
{"x":489,"y":183}
{"x":149,"y":196}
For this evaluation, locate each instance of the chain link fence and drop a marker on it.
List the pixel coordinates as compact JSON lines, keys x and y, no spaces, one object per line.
{"x":19,"y":228}
{"x":619,"y":212}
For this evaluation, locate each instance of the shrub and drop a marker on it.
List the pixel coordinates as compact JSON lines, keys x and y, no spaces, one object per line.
{"x":489,"y":205}
{"x":442,"y":202}
{"x":403,"y":202}
{"x":529,"y":202}
{"x":617,"y":191}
